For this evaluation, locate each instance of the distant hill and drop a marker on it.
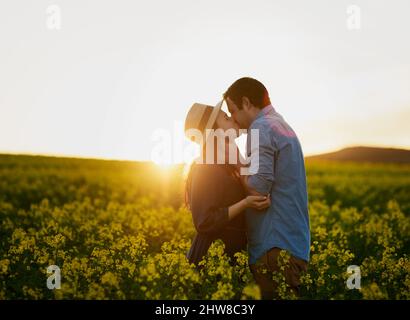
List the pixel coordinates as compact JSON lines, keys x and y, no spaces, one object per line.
{"x":366,"y":154}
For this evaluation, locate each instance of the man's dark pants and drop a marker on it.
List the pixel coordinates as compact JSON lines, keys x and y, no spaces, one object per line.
{"x":263,"y":271}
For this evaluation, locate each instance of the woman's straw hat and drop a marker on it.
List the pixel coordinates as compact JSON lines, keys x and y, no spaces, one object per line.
{"x":201,"y":117}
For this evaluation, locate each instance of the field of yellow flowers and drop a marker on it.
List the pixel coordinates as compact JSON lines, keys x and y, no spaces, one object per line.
{"x":119,"y":230}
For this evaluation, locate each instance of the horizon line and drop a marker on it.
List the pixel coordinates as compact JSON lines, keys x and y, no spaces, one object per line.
{"x":63,"y":155}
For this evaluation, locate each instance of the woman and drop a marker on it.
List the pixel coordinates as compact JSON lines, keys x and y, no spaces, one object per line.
{"x":214,"y":192}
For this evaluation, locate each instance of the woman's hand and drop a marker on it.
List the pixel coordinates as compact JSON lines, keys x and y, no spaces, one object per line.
{"x":258,"y":202}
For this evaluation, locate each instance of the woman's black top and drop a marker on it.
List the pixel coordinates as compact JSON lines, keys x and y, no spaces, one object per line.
{"x":213,"y":189}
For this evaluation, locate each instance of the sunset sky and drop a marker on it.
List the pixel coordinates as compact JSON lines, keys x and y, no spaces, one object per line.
{"x":117,"y":72}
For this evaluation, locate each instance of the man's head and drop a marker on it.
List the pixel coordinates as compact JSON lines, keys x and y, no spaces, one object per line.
{"x":245,"y":98}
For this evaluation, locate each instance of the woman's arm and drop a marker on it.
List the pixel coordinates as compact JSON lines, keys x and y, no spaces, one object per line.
{"x":256,"y":202}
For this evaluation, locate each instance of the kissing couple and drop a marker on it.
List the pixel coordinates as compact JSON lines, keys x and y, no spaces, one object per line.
{"x":264,"y":211}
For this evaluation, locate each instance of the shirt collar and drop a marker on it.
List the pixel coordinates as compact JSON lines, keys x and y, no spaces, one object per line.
{"x":265,"y":110}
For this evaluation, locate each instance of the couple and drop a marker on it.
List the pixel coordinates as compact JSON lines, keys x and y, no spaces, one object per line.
{"x":267,"y":211}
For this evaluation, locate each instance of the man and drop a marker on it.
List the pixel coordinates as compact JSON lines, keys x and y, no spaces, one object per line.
{"x":281,"y":174}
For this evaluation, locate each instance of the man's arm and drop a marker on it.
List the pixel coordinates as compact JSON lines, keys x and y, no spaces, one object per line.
{"x":260,"y":183}
{"x":240,"y":165}
{"x":249,"y":189}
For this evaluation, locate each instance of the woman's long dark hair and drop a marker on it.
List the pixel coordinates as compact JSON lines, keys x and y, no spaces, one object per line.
{"x":230,"y":169}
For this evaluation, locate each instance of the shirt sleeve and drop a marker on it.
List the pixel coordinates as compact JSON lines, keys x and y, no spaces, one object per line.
{"x":263,"y":155}
{"x":207,"y":216}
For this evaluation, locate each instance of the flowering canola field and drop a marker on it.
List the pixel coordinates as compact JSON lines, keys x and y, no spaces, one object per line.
{"x":119,"y":230}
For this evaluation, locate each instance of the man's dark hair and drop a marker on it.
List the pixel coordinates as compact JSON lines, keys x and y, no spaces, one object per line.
{"x":251,"y":88}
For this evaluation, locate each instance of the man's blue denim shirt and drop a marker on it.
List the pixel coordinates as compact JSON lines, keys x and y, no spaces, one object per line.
{"x":285,"y":224}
